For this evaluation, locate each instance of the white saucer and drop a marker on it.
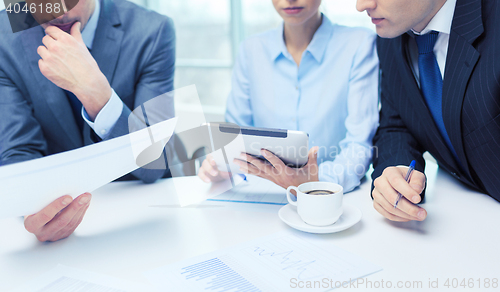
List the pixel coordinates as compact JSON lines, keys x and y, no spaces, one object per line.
{"x":349,"y":217}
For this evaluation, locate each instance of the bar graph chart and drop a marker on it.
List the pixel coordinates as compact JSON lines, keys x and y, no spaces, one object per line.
{"x":267,"y":264}
{"x":215,"y":275}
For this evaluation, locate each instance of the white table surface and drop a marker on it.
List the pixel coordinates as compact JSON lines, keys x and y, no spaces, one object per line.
{"x":131,"y":228}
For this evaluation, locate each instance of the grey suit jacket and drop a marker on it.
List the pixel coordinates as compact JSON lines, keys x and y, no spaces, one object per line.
{"x":134,"y":48}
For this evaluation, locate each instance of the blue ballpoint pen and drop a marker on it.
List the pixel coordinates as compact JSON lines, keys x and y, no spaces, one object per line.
{"x":407,"y":178}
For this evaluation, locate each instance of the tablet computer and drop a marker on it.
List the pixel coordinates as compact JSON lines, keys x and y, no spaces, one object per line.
{"x":290,"y":146}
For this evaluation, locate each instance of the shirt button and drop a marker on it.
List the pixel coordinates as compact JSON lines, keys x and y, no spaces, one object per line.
{"x":293,"y":120}
{"x":297,"y":87}
{"x":103,"y":132}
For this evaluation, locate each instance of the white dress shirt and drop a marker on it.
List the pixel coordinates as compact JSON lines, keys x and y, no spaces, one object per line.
{"x":441,"y":23}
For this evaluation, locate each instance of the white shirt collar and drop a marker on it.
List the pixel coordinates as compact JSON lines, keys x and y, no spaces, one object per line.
{"x":441,"y":22}
{"x":88,"y":32}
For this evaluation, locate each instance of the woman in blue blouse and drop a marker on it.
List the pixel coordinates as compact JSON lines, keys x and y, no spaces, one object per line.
{"x":308,"y":75}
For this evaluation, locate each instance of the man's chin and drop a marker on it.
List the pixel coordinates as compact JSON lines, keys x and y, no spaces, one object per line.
{"x":65,"y":28}
{"x":388,"y":33}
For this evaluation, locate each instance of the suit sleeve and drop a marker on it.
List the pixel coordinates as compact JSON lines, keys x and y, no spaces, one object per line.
{"x":21,"y":135}
{"x":394,"y":144}
{"x":156,"y":79}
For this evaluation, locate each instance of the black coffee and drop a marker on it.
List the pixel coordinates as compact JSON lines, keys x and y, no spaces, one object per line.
{"x":320,"y":192}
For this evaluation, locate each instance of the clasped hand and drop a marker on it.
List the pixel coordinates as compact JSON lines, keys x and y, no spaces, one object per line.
{"x":59,"y":219}
{"x":385,"y":195}
{"x":66,"y":62}
{"x":272,"y":169}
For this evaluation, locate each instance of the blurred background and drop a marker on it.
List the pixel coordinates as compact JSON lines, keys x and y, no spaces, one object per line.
{"x":209,"y":33}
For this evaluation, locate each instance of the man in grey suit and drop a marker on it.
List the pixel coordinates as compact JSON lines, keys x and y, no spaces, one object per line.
{"x":72,"y":82}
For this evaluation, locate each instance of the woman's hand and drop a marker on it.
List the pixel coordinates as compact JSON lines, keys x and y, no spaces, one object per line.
{"x":277,"y":172}
{"x":210,"y":173}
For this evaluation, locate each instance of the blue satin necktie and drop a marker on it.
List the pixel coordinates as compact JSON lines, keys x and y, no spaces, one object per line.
{"x":431,"y":82}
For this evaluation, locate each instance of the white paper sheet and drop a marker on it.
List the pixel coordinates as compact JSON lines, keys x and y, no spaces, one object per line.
{"x":27,"y":187}
{"x":65,"y":279}
{"x":255,"y":190}
{"x":271,"y":263}
{"x":191,"y":192}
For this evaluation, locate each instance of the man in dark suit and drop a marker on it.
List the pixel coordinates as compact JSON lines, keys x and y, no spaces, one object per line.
{"x":440,"y":93}
{"x":74,"y":81}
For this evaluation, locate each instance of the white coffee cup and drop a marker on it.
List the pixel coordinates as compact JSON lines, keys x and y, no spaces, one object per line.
{"x":318,"y":209}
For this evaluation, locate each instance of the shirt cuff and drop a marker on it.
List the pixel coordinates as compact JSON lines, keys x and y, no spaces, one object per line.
{"x":107,"y":117}
{"x":325,"y":172}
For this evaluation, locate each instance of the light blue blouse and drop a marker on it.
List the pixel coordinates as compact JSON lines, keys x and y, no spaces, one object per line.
{"x":332,"y":95}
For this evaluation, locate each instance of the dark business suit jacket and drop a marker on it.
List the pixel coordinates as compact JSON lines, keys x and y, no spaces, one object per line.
{"x":471,"y":102}
{"x":134,"y":48}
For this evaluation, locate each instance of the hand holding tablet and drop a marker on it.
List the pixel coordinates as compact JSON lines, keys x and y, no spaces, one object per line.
{"x":275,"y":170}
{"x":281,"y":156}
